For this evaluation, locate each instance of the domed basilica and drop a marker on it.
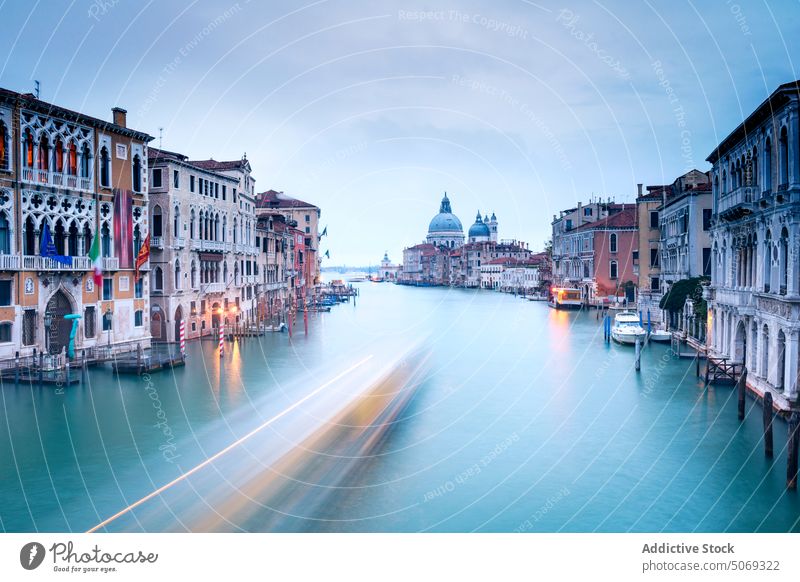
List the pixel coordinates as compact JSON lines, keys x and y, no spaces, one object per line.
{"x":445,"y":228}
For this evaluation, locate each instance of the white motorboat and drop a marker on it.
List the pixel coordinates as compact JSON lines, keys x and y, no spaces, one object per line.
{"x":660,"y":335}
{"x":627,"y":329}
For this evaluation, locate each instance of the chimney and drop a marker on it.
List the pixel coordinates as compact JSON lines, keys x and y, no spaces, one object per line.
{"x":639,"y":187}
{"x":120,"y":116}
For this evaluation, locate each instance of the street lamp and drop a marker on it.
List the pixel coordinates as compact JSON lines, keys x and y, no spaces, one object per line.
{"x":109,"y":312}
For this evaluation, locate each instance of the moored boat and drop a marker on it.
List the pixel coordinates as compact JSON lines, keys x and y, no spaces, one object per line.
{"x":660,"y":335}
{"x":627,"y":329}
{"x":563,"y":298}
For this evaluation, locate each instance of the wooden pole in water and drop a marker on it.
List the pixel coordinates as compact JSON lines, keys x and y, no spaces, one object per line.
{"x":791,"y":453}
{"x":41,"y":368}
{"x":697,"y":363}
{"x":16,"y":369}
{"x":768,"y":424}
{"x":741,"y":384}
{"x":638,"y":354}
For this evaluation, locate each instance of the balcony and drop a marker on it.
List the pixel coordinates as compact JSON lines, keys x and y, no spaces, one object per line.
{"x":9,"y":262}
{"x":209,"y":245}
{"x":737,"y":204}
{"x":37,"y":263}
{"x":179,"y":242}
{"x":157,"y":242}
{"x":48,"y":178}
{"x":111,"y":263}
{"x":212,"y":288}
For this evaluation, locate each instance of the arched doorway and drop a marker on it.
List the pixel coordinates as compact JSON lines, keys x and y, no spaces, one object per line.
{"x":178,"y":319}
{"x":740,"y":344}
{"x":158,"y":324}
{"x":57,"y":335}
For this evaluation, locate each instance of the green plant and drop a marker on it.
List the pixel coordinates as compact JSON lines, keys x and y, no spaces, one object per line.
{"x":675,"y":298}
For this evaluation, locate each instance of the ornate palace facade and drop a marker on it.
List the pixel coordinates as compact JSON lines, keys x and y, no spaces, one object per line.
{"x":754,"y":296}
{"x":69,"y":177}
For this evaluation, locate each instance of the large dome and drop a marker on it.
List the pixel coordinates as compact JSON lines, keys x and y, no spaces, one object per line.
{"x":445,"y":221}
{"x":480,"y":229}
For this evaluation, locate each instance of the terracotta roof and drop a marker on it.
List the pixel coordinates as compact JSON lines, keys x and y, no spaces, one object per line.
{"x":216,"y":166}
{"x":275,"y":199}
{"x":623,"y":219}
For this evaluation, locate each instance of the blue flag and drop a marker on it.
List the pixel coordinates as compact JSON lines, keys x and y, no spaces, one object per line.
{"x":48,"y":248}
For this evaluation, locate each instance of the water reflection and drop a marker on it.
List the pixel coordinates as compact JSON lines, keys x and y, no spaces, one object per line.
{"x":522,"y":419}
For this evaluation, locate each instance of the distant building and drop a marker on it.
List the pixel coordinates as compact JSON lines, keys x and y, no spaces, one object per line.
{"x":647,"y":263}
{"x":388,"y":271}
{"x":445,"y":228}
{"x":597,"y":256}
{"x":754,"y":296}
{"x":303,"y":216}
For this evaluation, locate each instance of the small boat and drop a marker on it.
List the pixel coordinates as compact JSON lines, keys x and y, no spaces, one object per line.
{"x":561,"y":298}
{"x":659,"y":335}
{"x":627,"y":329}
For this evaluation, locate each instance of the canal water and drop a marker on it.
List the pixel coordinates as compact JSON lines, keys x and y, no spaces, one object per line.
{"x":524,"y":420}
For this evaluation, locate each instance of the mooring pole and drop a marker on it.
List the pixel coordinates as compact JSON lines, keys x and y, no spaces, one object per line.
{"x":791,"y":453}
{"x":741,"y":384}
{"x":768,"y":424}
{"x":84,"y":370}
{"x":41,"y":368}
{"x":638,"y":354}
{"x":16,"y":369}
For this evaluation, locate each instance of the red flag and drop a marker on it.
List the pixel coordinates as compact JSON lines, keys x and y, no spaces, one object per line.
{"x":144,"y":254}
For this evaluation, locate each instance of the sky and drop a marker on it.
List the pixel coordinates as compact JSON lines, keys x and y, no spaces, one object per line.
{"x":373,"y":109}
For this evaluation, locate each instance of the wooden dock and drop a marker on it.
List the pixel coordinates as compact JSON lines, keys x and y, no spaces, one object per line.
{"x":722,"y":371}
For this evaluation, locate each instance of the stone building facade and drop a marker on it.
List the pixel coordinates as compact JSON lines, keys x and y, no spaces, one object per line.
{"x":77,"y":177}
{"x":754,"y":296}
{"x":203,"y":269}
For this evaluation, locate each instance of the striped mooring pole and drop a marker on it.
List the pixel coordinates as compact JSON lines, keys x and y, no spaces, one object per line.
{"x":221,"y":339}
{"x":182,"y":338}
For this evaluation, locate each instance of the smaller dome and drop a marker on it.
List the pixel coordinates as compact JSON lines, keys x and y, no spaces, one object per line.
{"x":479,"y":229}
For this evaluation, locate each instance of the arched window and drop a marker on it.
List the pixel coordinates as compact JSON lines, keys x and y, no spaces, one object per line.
{"x":4,"y":158}
{"x":612,"y":242}
{"x":783,"y":258}
{"x":86,"y":158}
{"x":87,"y":238}
{"x":767,"y":261}
{"x":43,"y":154}
{"x":72,"y":243}
{"x":754,"y":170}
{"x":5,"y":235}
{"x":105,"y":168}
{"x":59,"y":236}
{"x":191,"y":224}
{"x":724,"y":182}
{"x":158,"y":279}
{"x":30,"y":237}
{"x":137,"y":174}
{"x":177,"y":273}
{"x":768,"y":164}
{"x":105,"y":240}
{"x":224,"y":228}
{"x":225,"y":273}
{"x":156,"y":225}
{"x":72,"y":162}
{"x":234,"y":231}
{"x":58,"y":156}
{"x":194,"y":275}
{"x":137,"y":240}
{"x":783,"y":147}
{"x":176,"y":222}
{"x":27,"y":146}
